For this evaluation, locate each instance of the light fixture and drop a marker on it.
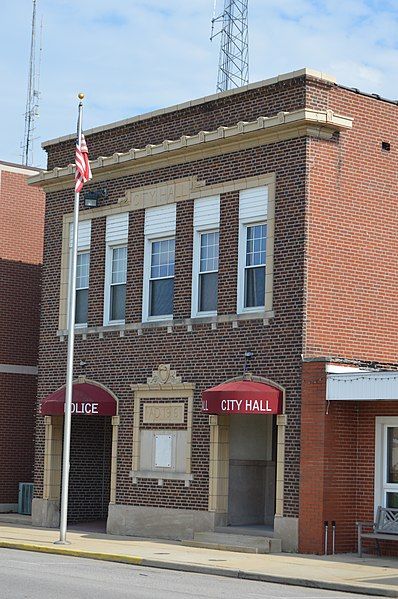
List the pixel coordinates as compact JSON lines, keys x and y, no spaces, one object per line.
{"x":248,"y":356}
{"x":91,"y":198}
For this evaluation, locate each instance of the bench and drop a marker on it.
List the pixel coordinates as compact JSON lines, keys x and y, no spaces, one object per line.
{"x":384,"y":528}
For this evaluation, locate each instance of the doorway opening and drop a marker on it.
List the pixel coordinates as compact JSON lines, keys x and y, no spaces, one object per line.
{"x":252,"y":470}
{"x":90,"y":469}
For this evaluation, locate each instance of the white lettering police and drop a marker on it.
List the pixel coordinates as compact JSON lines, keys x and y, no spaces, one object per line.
{"x":84,"y":408}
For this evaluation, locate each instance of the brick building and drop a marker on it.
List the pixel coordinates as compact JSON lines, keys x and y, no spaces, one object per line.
{"x":21,"y":254}
{"x":255,"y":226}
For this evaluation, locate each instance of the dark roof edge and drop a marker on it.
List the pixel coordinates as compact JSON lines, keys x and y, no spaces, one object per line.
{"x":355,"y":90}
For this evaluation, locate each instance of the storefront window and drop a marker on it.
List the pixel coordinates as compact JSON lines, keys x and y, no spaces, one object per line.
{"x":392,"y":464}
{"x":386,"y":490}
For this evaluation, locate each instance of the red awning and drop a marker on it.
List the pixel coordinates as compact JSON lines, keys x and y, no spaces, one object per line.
{"x":87,"y":400}
{"x":242,"y":397}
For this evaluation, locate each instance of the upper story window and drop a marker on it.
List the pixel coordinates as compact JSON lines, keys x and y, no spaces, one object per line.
{"x":161,"y":281}
{"x":254,"y":279}
{"x":386,"y":474}
{"x":205,"y":256}
{"x":252,"y":249}
{"x":116,"y":268}
{"x":158,"y":288}
{"x":82,"y":284}
{"x":82,"y":270}
{"x":117,"y":286}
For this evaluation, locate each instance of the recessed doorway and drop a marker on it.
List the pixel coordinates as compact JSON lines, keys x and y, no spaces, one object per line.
{"x":252,"y":470}
{"x":90,"y":468}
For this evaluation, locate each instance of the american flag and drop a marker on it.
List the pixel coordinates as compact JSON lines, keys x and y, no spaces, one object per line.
{"x":83,"y":170}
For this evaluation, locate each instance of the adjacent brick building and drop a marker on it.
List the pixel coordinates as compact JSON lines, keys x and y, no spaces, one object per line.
{"x":21,"y":254}
{"x":247,"y":240}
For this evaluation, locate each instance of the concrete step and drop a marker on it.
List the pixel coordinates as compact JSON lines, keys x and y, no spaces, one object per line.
{"x":251,"y":530}
{"x":235,"y":542}
{"x":13,"y":518}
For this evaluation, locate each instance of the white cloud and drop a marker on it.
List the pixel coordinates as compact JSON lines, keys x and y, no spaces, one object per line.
{"x":138,"y":55}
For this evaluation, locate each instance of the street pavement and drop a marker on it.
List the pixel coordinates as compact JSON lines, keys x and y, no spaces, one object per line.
{"x":367,"y":575}
{"x":26,"y":575}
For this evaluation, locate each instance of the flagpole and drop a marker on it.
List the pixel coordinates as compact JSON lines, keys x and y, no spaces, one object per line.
{"x":69,"y":366}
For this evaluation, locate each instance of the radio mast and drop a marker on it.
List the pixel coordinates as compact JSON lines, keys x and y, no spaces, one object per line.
{"x":233,"y":68}
{"x":32,"y":98}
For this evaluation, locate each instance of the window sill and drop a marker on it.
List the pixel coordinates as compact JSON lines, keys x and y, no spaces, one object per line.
{"x":250,"y":310}
{"x":155,"y":319}
{"x":160,"y":476}
{"x":188,"y":323}
{"x":113,"y":323}
{"x":203,"y":315}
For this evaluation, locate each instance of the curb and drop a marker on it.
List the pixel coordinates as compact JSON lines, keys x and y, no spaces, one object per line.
{"x":211,"y":570}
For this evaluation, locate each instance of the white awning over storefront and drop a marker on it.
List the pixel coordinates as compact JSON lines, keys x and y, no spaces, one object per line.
{"x":362,"y":386}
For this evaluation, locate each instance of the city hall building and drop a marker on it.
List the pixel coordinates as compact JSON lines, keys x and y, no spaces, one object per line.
{"x":236,"y":317}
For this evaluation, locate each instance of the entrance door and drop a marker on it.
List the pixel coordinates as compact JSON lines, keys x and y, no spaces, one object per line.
{"x":251,"y":496}
{"x":90,"y":468}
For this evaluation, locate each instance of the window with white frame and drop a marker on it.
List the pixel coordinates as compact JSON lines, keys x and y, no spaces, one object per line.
{"x":386,"y":462}
{"x":158,"y":289}
{"x":161,"y":280}
{"x":82,"y":270}
{"x":82,"y":284}
{"x":205,"y":256}
{"x":254,"y":279}
{"x":252,"y":249}
{"x":116,"y":268}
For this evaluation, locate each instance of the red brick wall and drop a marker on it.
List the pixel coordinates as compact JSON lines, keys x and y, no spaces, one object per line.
{"x":19,"y":312}
{"x":21,"y":251}
{"x":352,"y":245}
{"x":351,"y":306}
{"x":21,"y":218}
{"x":17,"y":395}
{"x":337,"y":463}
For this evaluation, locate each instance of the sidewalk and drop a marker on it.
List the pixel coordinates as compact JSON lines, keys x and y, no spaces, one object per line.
{"x":369,"y":575}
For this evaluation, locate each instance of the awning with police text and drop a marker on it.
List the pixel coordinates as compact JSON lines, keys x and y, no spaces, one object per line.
{"x":87,"y":400}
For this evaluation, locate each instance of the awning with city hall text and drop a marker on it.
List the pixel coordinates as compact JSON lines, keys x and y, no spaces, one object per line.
{"x":242,"y":397}
{"x":87,"y":400}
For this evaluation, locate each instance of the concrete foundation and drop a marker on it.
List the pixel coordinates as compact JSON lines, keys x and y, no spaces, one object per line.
{"x":286,"y":529}
{"x":160,"y":523}
{"x":45,"y":512}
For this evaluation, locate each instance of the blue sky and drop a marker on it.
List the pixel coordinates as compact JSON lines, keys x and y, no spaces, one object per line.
{"x":133,"y":56}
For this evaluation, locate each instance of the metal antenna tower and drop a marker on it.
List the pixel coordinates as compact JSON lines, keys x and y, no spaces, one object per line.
{"x":32,"y":98}
{"x":233,"y":68}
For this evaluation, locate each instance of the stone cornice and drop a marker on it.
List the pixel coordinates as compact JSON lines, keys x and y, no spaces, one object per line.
{"x":283,"y":126}
{"x":306,"y":72}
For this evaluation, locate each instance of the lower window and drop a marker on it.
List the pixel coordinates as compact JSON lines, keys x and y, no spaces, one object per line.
{"x":386,"y":474}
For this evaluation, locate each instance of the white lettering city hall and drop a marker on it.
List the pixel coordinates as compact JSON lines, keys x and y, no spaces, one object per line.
{"x":248,"y":405}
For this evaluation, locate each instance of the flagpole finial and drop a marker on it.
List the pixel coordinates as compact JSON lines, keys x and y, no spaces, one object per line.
{"x":80,"y":96}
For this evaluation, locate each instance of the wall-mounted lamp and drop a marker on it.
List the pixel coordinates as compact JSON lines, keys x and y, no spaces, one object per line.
{"x":92,"y":198}
{"x":248,"y":357}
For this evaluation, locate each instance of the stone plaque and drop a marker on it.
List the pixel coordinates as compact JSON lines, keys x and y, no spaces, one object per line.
{"x":163,"y":413}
